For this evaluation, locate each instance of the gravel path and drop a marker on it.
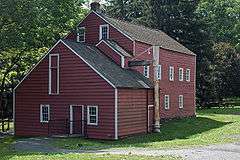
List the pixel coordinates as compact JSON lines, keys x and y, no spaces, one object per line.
{"x":229,"y":151}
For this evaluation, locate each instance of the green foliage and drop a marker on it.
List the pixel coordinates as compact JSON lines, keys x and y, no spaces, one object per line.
{"x":223,"y":18}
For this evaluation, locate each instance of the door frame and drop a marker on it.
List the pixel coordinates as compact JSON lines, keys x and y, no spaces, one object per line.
{"x":71,"y":118}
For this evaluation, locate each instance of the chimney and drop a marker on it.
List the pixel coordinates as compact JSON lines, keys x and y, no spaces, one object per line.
{"x":95,"y":6}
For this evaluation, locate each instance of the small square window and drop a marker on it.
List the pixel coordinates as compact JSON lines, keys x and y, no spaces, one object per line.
{"x":81,"y":34}
{"x":146,"y":71}
{"x":92,"y":115}
{"x":44,"y":113}
{"x":188,"y":75}
{"x":171,"y":73}
{"x":104,"y":32}
{"x":180,"y":101}
{"x":166,"y":102}
{"x":180,"y":74}
{"x":159,"y":72}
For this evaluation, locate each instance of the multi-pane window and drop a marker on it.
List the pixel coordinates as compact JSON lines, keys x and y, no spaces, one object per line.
{"x":81,"y":34}
{"x":44,"y":113}
{"x":171,"y":73}
{"x":180,"y":74}
{"x":146,"y":71}
{"x":92,"y":115}
{"x":159,"y":72}
{"x":188,"y":75}
{"x":53,"y":74}
{"x":104,"y":32}
{"x":166,"y":102}
{"x":180,"y":101}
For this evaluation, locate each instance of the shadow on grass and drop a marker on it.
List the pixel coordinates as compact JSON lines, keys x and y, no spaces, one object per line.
{"x":176,"y":129}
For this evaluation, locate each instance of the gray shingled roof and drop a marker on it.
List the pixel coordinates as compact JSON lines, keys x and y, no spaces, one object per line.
{"x":118,"y":76}
{"x":117,"y":47}
{"x":147,"y":35}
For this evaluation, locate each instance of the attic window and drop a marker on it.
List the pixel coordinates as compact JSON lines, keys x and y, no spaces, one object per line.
{"x":146,"y":71}
{"x":81,"y":34}
{"x":104,"y":32}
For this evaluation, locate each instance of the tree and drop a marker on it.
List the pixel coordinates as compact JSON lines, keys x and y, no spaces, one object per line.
{"x":27,"y":28}
{"x":223,"y":19}
{"x":226,"y":70}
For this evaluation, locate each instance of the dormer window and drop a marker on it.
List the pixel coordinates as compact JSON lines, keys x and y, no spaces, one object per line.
{"x":104,"y":31}
{"x":81,"y":34}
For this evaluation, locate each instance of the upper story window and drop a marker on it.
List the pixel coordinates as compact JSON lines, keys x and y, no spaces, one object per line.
{"x":81,"y":34}
{"x":104,"y":32}
{"x":180,"y":74}
{"x":146,"y":71}
{"x":188,"y":75}
{"x":53,"y":83}
{"x":92,"y":115}
{"x":171,"y":73}
{"x":166,"y":102}
{"x":44,"y":113}
{"x":159,"y":72}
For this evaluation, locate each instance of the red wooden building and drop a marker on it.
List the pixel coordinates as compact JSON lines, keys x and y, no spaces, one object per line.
{"x":99,"y":82}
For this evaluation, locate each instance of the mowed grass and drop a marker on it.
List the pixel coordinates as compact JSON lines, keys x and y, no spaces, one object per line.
{"x":211,"y":126}
{"x":8,"y":153}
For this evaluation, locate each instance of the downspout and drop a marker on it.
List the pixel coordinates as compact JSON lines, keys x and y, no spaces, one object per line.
{"x":147,"y":103}
{"x":156,"y":89}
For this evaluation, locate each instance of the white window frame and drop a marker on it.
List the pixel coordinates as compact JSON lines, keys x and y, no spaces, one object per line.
{"x":88,"y":115}
{"x":159,"y":72}
{"x":167,"y":103}
{"x":100,"y":31}
{"x":84,"y":34}
{"x":180,"y":74}
{"x":146,"y":71}
{"x":188,"y":75}
{"x":41,"y":113}
{"x":171,"y":73}
{"x":50,"y":75}
{"x":180,"y":101}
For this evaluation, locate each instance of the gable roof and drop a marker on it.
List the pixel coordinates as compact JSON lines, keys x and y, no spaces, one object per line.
{"x":119,"y":77}
{"x":118,"y":48}
{"x":146,"y":35}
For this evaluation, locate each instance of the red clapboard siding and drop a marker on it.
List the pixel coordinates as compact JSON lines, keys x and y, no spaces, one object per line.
{"x":92,"y":23}
{"x":132,"y":111}
{"x":79,"y":85}
{"x":176,"y":88}
{"x":110,"y":53}
{"x":173,"y":89}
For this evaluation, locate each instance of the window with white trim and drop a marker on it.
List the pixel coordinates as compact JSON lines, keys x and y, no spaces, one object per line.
{"x":81,"y":34}
{"x":171,"y":73}
{"x":188,"y":75}
{"x":180,"y":101}
{"x":104,"y":32}
{"x":53,"y":74}
{"x":92,"y":115}
{"x":159,"y":72}
{"x":146,"y":71}
{"x":180,"y":74}
{"x":44,"y":113}
{"x":166,"y":102}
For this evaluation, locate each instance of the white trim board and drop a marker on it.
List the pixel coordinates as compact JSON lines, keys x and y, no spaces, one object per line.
{"x":71,"y":118}
{"x":116,"y":114}
{"x":41,"y":59}
{"x":122,"y":56}
{"x":50,"y":74}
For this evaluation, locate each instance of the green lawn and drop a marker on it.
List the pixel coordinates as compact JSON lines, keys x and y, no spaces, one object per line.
{"x":211,"y":126}
{"x":8,"y":153}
